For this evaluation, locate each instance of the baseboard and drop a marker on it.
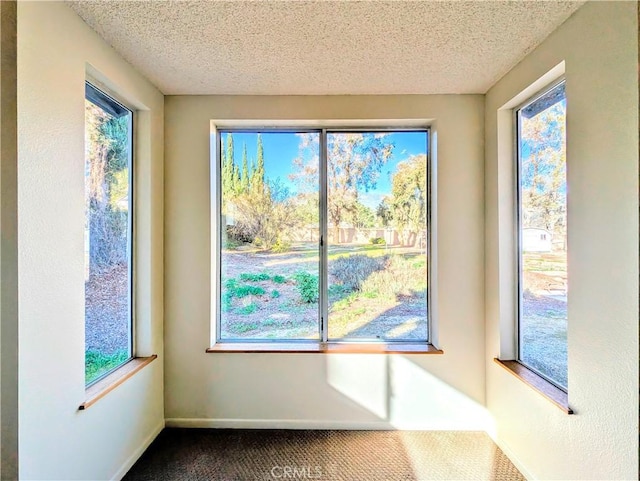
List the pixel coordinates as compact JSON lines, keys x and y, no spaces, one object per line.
{"x":514,"y":459}
{"x":137,"y":453}
{"x":275,"y":424}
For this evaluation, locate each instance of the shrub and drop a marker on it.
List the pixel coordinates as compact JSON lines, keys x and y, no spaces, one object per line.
{"x":281,"y":246}
{"x":226,"y":301}
{"x":377,"y":241}
{"x":234,"y":289}
{"x":352,"y":271}
{"x":248,"y":309}
{"x":399,"y":278}
{"x":243,"y":291}
{"x":254,"y":277}
{"x":241,"y":327}
{"x":307,"y":286}
{"x":236,"y":236}
{"x":275,"y":294}
{"x":278,"y":279}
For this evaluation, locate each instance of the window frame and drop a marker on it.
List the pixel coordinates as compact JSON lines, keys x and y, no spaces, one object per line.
{"x":110,"y":99}
{"x":519,"y":242}
{"x":323,"y":305}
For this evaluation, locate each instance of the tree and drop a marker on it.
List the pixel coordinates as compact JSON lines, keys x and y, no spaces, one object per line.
{"x":244,"y":180}
{"x":228,"y":174}
{"x":107,"y":187}
{"x":266,"y":216}
{"x":362,"y":216}
{"x":408,"y":202}
{"x":383,"y":213}
{"x":258,"y":175}
{"x":542,"y":170}
{"x":354,"y":161}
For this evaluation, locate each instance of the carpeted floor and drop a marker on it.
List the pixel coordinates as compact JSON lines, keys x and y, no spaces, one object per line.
{"x":247,"y":455}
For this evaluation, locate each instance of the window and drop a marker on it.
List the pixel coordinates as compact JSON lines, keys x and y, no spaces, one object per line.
{"x":108,"y":234}
{"x":323,"y":235}
{"x":542,"y":258}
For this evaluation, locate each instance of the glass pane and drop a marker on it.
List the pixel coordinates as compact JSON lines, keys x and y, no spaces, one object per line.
{"x":377,"y":227}
{"x":107,"y":235}
{"x":270,"y":235}
{"x":543,"y":234}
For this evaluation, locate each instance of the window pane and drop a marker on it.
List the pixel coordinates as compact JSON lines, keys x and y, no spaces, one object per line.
{"x":377,"y":225}
{"x":107,"y":235}
{"x":270,"y":235}
{"x":543,"y":235}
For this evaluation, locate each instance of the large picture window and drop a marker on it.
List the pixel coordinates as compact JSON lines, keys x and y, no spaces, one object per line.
{"x":108,"y":234}
{"x":542,"y":234}
{"x":323,"y":235}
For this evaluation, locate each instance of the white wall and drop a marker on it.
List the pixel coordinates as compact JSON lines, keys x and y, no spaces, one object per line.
{"x":599,"y":47}
{"x":312,"y":390}
{"x":55,"y":50}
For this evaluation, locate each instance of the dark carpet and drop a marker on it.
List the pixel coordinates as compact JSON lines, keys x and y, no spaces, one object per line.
{"x":223,"y":454}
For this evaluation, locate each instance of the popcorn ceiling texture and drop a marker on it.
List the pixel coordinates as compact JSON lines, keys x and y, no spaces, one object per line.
{"x":324,"y":47}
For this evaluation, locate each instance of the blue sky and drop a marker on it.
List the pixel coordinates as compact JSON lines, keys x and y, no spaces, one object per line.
{"x":281,"y":148}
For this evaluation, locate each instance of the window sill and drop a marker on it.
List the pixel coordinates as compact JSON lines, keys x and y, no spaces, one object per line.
{"x":554,"y":394}
{"x":326,"y":347}
{"x":109,"y":383}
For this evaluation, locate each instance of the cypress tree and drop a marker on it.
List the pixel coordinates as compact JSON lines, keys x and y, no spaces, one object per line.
{"x":244,"y":181}
{"x":260,"y":165}
{"x":228,"y":180}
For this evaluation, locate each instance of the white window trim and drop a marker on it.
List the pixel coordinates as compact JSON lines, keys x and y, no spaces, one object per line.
{"x":218,"y":126}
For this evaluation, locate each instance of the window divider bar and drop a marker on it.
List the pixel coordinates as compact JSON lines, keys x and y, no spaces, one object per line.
{"x":216,"y":236}
{"x":323,"y":278}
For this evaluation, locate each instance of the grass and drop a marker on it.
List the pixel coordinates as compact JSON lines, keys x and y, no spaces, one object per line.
{"x":97,"y":363}
{"x":545,"y":262}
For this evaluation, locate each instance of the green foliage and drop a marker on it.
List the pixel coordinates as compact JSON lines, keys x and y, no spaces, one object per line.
{"x":248,"y":309}
{"x":275,"y":294}
{"x":278,"y":279}
{"x":353,"y":270}
{"x":361,"y":216}
{"x":266,"y":215}
{"x":281,"y":246}
{"x":377,"y":241}
{"x":244,"y":291}
{"x":263,"y":276}
{"x":235,"y":289}
{"x":244,"y":181}
{"x":307,"y":286}
{"x":226,"y":301}
{"x":543,"y":170}
{"x":354,"y":162}
{"x":107,"y":187}
{"x":258,"y":175}
{"x":408,"y":204}
{"x":242,"y":327}
{"x":227,"y":174}
{"x":97,"y":363}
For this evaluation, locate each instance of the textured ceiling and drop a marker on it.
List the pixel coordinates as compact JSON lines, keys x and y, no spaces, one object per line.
{"x":324,"y":47}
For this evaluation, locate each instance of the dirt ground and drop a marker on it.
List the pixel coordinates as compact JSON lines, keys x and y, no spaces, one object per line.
{"x":287,"y":316}
{"x":543,"y":323}
{"x":106,"y":311}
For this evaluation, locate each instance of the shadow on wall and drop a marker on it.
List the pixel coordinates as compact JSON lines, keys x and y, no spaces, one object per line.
{"x":400,"y":392}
